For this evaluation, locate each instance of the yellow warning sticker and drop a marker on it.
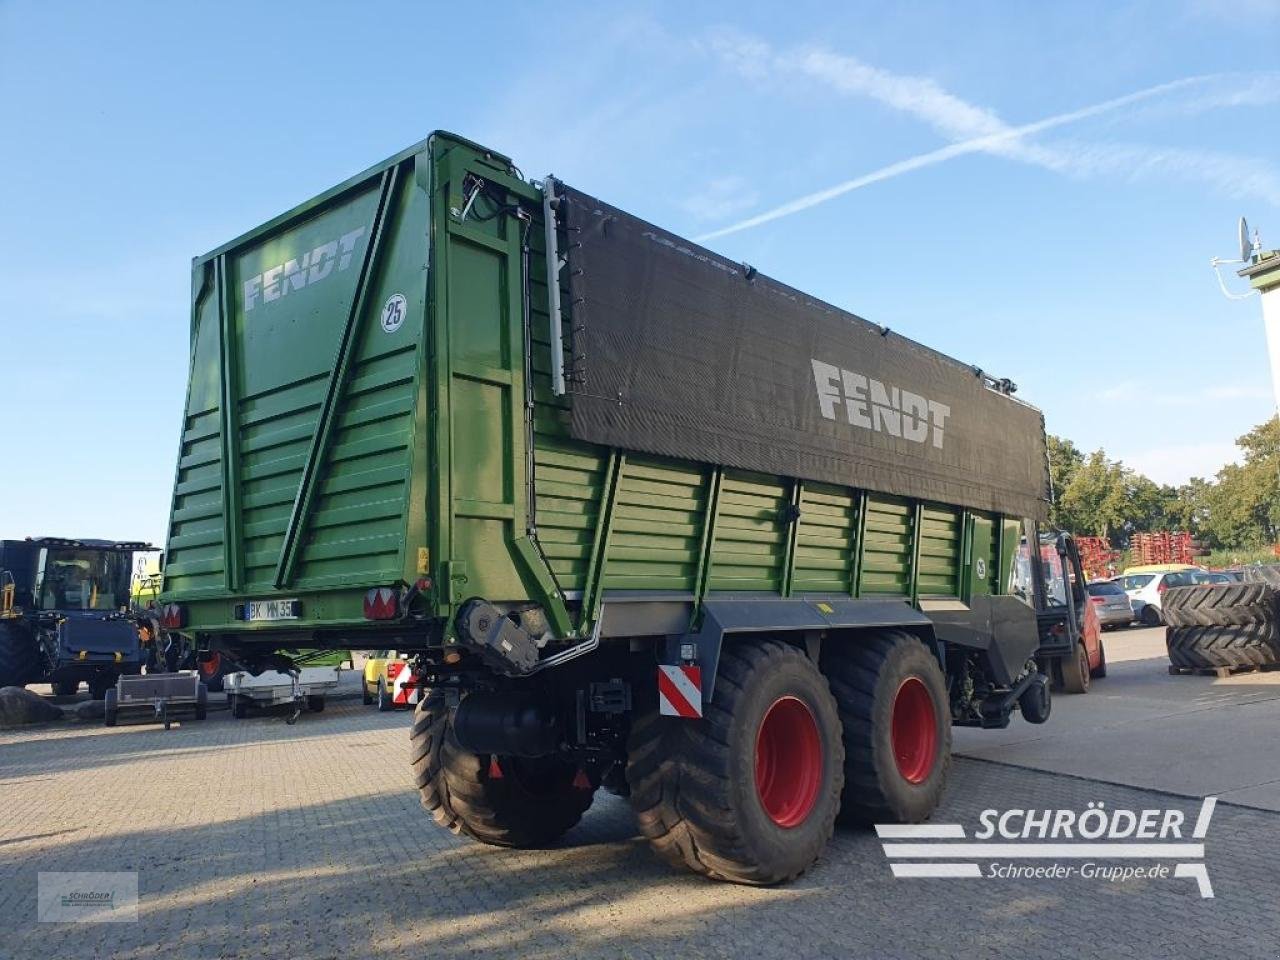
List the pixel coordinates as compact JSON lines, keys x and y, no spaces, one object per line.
{"x":424,"y":560}
{"x":826,"y":608}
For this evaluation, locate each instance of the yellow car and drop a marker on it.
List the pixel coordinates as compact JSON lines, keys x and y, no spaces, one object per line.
{"x":388,"y":680}
{"x":1160,"y":568}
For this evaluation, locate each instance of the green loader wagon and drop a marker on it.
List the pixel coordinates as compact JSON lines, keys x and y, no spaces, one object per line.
{"x":645,"y":518}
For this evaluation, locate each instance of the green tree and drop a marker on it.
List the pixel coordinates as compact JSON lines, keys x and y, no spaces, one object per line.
{"x":1243,"y":504}
{"x":1065,"y":460}
{"x":1186,"y":506}
{"x":1096,"y":500}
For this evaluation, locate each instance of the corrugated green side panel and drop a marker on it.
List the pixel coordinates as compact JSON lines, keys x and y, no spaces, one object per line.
{"x":657,"y":526}
{"x":825,"y":540}
{"x":939,"y":574}
{"x":750,"y":540}
{"x":568,"y":490}
{"x":886,"y":559}
{"x":194,"y":561}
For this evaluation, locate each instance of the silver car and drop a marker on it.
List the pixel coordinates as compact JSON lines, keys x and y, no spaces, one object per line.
{"x":1110,"y":603}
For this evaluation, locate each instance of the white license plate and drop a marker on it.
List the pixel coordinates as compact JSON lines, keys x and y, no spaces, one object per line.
{"x":272,"y":610}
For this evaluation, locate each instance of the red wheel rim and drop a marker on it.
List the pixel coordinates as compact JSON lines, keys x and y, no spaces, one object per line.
{"x":210,"y":667}
{"x":788,"y":762}
{"x":915,"y":731}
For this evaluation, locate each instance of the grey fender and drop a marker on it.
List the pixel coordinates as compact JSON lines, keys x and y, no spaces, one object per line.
{"x":807,"y":619}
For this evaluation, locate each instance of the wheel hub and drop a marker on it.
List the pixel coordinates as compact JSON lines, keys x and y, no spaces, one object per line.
{"x":789,"y":762}
{"x":914,"y":732}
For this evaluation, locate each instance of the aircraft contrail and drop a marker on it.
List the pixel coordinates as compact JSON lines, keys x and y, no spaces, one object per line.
{"x":933,"y":157}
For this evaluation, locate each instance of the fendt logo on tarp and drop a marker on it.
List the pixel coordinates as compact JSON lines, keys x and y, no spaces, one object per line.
{"x":872,"y":405}
{"x":295,"y":274}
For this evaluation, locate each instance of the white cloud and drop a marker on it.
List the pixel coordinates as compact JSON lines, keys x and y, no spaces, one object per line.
{"x":986,"y":143}
{"x":1234,"y":175}
{"x":975,"y":129}
{"x":722,"y":197}
{"x":1178,"y":463}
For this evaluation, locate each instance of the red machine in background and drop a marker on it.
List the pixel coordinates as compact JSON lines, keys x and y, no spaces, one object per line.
{"x":1165,"y":547}
{"x":1098,"y":557}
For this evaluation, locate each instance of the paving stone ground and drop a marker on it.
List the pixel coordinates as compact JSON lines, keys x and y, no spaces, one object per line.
{"x":253,"y":838}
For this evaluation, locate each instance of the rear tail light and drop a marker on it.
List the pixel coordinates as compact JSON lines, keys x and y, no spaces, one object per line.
{"x":1162,"y":587}
{"x":1098,"y":599}
{"x":381,"y":603}
{"x":173,"y":616}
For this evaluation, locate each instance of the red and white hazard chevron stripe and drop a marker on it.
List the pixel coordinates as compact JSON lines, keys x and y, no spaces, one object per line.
{"x":403,"y":689}
{"x":680,"y":691}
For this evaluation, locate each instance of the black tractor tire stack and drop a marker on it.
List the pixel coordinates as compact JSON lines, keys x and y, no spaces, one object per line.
{"x":1223,"y":625}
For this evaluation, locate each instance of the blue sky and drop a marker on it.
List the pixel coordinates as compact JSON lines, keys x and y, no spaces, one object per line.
{"x":1032,"y":204}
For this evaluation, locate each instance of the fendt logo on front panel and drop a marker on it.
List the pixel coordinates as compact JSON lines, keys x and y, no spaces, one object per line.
{"x":872,"y":405}
{"x":311,"y":267}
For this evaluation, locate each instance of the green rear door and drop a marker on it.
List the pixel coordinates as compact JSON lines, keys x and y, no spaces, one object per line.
{"x":302,"y":417}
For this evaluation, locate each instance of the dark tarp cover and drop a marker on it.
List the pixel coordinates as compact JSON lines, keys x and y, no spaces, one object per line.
{"x":682,"y":353}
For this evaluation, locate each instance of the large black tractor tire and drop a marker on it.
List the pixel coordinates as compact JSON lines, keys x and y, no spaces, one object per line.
{"x":110,"y":708}
{"x":1221,"y":604}
{"x":202,"y":701}
{"x":18,"y":664}
{"x":504,"y":801}
{"x":897,"y":727}
{"x":1238,"y":645}
{"x":750,"y":792}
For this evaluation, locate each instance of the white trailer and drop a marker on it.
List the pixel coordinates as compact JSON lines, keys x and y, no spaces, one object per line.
{"x":305,"y":686}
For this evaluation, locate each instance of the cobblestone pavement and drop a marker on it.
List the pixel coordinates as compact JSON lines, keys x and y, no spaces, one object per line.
{"x":253,"y":838}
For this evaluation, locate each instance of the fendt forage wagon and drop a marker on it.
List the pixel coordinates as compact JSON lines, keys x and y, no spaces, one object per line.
{"x":644,"y":518}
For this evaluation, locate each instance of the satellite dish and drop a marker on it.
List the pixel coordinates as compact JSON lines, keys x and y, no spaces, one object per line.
{"x":1246,"y":247}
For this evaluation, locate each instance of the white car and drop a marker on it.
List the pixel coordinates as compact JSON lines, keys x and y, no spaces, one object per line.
{"x":1145,"y":591}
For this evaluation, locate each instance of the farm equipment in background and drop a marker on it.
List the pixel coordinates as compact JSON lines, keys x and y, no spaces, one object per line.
{"x":1071,"y":651}
{"x":1098,"y":558}
{"x":66,"y":615}
{"x":1165,"y":547}
{"x":303,"y":686}
{"x":160,"y":697}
